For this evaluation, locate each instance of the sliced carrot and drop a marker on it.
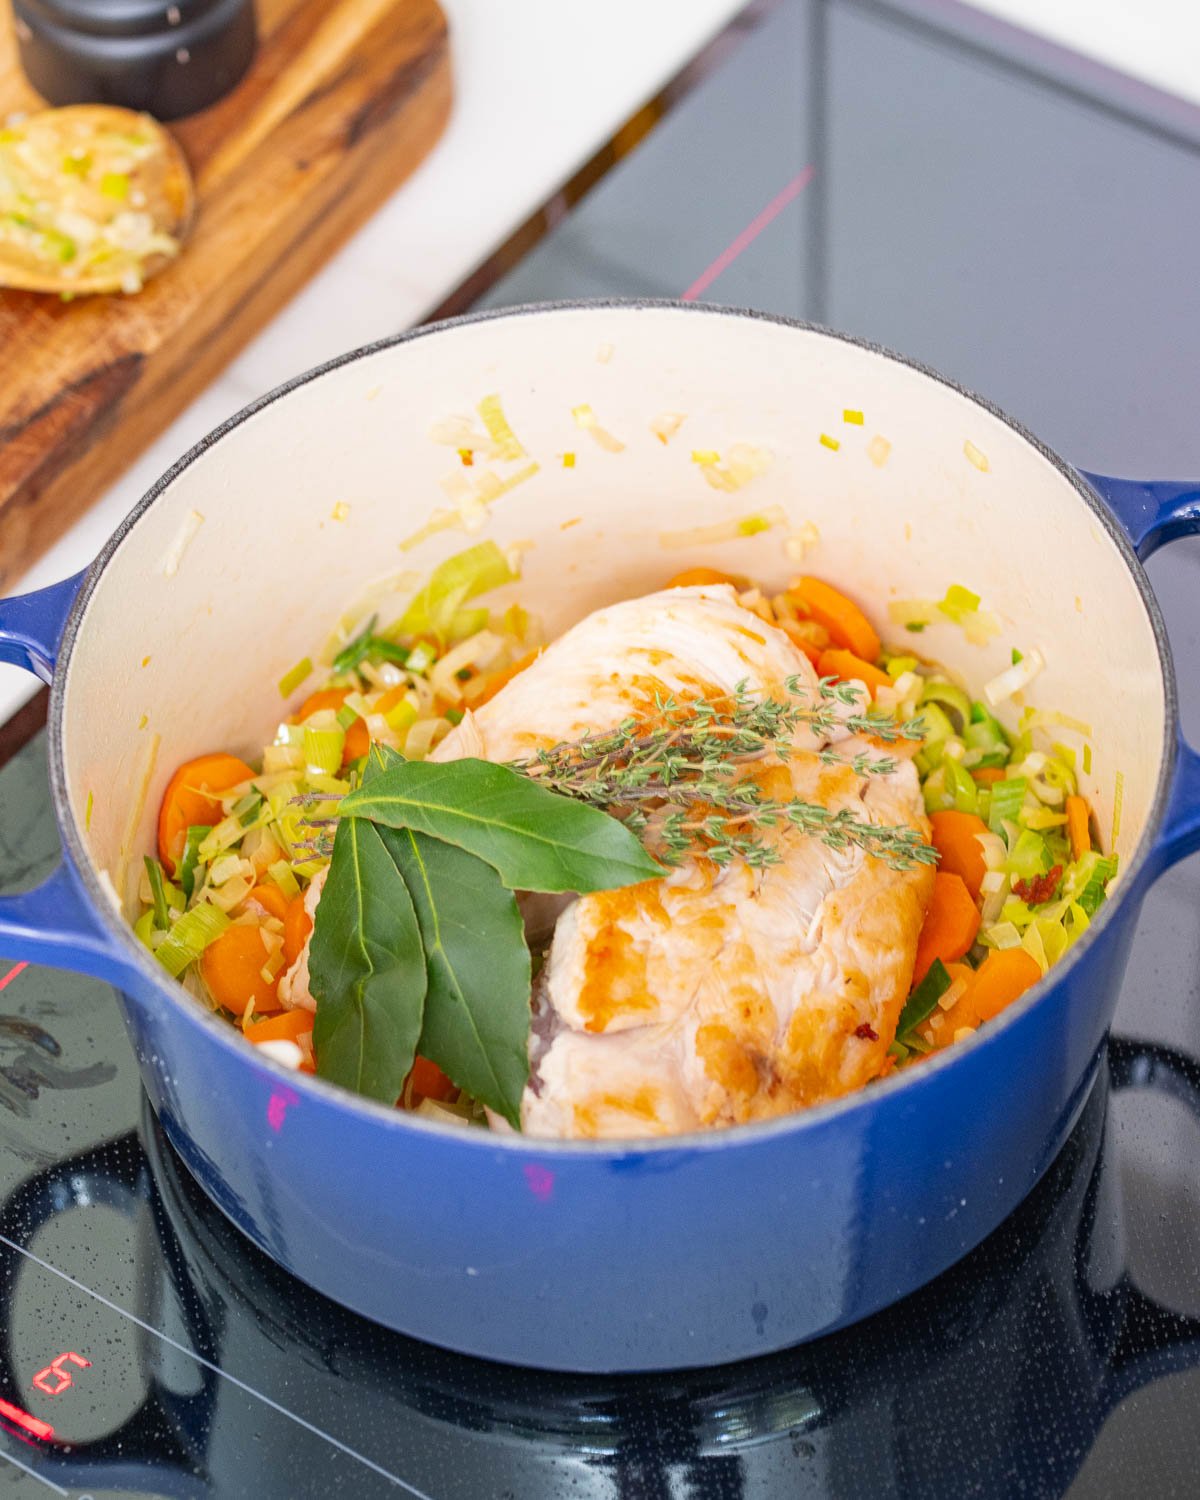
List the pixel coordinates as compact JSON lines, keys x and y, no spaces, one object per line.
{"x":271,"y":899}
{"x":950,"y":924}
{"x":1003,"y":976}
{"x":232,"y":968}
{"x":956,"y":839}
{"x":1078,"y":818}
{"x":502,"y":678}
{"x":285,"y":1027}
{"x":297,"y":924}
{"x":429,"y":1082}
{"x":838,"y":663}
{"x":692,"y":577}
{"x":193,"y":795}
{"x":988,"y":775}
{"x":326,"y":698}
{"x":358,"y":741}
{"x":845,"y":622}
{"x":795,"y":634}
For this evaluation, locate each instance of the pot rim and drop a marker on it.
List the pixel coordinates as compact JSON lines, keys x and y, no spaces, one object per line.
{"x":903,"y":1081}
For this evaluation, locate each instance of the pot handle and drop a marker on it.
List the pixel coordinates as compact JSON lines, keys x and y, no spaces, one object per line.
{"x":31,"y":626}
{"x":1152,"y":512}
{"x":55,"y":923}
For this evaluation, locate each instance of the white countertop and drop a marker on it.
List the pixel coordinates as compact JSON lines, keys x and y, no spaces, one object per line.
{"x":540,"y":85}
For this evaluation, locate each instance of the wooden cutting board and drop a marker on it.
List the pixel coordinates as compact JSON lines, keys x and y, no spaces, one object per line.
{"x":343,"y":100}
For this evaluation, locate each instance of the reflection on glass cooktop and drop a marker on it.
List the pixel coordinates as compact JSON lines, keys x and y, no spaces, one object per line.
{"x":1029,"y":227}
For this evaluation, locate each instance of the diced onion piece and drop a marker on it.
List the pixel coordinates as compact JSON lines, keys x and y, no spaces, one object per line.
{"x":742,"y":464}
{"x":505,"y":444}
{"x":963,"y":1032}
{"x":1015,"y":678}
{"x":191,"y":525}
{"x":340,"y":511}
{"x":604,"y":354}
{"x":232,"y":893}
{"x":423,"y":736}
{"x":281,"y":1050}
{"x":1002,"y":935}
{"x":667,"y":424}
{"x":993,"y":882}
{"x":957,"y":989}
{"x":976,"y":456}
{"x":457,"y":432}
{"x":1046,"y":718}
{"x":479,"y":650}
{"x":724,"y":531}
{"x":801,"y":540}
{"x":981,"y":626}
{"x":585,"y":417}
{"x":1118,"y":799}
{"x":908,"y":612}
{"x":440,"y":520}
{"x":879,"y":450}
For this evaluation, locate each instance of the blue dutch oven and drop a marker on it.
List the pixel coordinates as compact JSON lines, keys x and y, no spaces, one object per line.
{"x":603,"y":1256}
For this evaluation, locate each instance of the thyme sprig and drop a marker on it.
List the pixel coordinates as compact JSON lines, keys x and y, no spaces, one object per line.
{"x":680,"y":783}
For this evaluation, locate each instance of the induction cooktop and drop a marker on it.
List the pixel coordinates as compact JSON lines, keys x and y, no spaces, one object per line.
{"x":1026,"y":222}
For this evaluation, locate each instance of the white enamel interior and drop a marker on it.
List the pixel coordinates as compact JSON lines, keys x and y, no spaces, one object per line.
{"x":167,"y":667}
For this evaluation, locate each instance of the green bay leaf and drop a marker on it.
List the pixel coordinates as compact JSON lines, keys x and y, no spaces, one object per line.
{"x":366,"y":968}
{"x":476,"y":1025}
{"x":535,"y":839}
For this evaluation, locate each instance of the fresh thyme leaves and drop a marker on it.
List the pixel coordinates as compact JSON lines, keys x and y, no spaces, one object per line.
{"x":682,"y":783}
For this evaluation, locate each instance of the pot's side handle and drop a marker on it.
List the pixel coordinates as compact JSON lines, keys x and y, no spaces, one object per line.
{"x":1153,"y":512}
{"x":56,"y":923}
{"x":31,"y":626}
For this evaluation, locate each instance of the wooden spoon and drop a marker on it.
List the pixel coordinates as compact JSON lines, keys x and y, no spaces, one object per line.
{"x":93,"y":198}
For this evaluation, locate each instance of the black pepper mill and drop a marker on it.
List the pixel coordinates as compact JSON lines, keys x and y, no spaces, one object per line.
{"x":167,"y":57}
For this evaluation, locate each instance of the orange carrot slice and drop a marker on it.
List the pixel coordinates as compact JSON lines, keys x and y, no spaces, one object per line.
{"x":285,"y":1027}
{"x":271,"y":899}
{"x":1078,"y":818}
{"x":955,"y":837}
{"x":429,"y":1082}
{"x":845,"y":622}
{"x":950,"y":924}
{"x":297,"y":924}
{"x":691,"y":577}
{"x":232,"y":968}
{"x":839,"y":663}
{"x":988,"y":775}
{"x":325,"y":698}
{"x":1003,"y":976}
{"x":502,"y":678}
{"x":193,"y":795}
{"x":796,"y":635}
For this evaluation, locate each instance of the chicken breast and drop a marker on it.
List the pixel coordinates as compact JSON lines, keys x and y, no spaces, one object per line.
{"x":714,"y":996}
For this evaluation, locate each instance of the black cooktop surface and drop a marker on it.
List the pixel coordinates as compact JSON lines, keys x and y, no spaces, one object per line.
{"x":1027,"y":223}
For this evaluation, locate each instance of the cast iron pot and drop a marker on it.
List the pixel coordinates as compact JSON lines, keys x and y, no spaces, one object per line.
{"x":585,"y":1256}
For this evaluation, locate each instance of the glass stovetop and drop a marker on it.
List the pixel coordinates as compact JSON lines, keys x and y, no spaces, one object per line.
{"x":1028,"y":225}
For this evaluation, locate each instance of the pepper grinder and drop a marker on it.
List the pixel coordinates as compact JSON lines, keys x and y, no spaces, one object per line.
{"x":167,"y":57}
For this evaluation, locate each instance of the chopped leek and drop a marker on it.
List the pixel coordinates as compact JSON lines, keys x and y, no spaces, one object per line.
{"x":921,"y":1003}
{"x":365,"y":646}
{"x":1029,"y":856}
{"x":290,"y":681}
{"x":950,"y":697}
{"x":1007,"y":797}
{"x":196,"y":835}
{"x":189,"y":937}
{"x":958,"y":602}
{"x":464,"y":576}
{"x":323,"y":749}
{"x":163,"y":894}
{"x":281,"y":873}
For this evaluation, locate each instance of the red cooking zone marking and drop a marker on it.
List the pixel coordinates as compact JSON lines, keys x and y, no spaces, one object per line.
{"x":23,"y":1419}
{"x":62,"y":1378}
{"x":749,"y":234}
{"x":13,"y":972}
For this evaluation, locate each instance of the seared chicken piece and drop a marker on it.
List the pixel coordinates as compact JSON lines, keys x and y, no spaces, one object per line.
{"x":714,"y":996}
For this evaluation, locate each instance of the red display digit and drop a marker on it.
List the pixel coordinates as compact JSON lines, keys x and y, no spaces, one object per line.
{"x":54,"y":1372}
